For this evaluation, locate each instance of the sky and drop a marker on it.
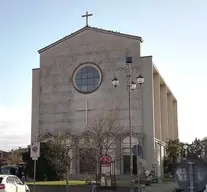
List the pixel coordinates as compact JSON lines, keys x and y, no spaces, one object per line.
{"x":174,"y":33}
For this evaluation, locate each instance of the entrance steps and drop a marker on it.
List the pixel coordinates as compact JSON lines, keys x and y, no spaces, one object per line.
{"x":118,"y":177}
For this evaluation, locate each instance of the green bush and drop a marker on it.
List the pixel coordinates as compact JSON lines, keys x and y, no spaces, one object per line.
{"x":44,"y":169}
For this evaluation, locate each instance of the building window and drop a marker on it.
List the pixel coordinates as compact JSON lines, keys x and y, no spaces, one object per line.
{"x":87,"y":78}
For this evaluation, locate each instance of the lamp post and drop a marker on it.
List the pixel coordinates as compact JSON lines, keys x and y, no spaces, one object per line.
{"x":131,"y":85}
{"x":192,"y":151}
{"x":185,"y":147}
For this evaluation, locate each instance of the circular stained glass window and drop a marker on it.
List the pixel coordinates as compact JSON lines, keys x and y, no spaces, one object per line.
{"x":87,"y":78}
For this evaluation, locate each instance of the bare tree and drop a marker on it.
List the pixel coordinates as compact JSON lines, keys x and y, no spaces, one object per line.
{"x":14,"y":157}
{"x":60,"y":152}
{"x":100,"y":137}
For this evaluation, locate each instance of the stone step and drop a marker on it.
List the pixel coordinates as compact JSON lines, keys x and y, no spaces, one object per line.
{"x":118,"y":177}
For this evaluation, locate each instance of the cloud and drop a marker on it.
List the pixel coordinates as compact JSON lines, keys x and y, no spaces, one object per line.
{"x":15,"y":126}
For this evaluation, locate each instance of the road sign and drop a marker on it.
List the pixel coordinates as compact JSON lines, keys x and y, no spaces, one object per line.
{"x":35,"y":150}
{"x":105,"y":161}
{"x":190,"y":173}
{"x":137,"y":150}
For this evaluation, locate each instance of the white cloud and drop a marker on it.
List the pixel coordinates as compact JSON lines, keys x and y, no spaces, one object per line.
{"x":15,"y":126}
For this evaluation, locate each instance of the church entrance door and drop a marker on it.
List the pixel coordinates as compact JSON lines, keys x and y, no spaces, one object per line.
{"x":127,"y":164}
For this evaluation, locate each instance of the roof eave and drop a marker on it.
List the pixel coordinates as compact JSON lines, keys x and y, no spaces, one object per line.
{"x":61,"y":40}
{"x":93,"y":29}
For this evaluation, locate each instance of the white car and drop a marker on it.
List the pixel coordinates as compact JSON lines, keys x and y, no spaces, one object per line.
{"x":11,"y":183}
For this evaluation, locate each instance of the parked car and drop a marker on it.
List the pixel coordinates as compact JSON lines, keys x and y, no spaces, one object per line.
{"x":11,"y":183}
{"x":5,"y":169}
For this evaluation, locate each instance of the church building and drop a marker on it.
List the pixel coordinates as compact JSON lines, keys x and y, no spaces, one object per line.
{"x":74,"y":81}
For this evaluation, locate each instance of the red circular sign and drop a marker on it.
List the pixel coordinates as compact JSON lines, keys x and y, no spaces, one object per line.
{"x":34,"y":148}
{"x":105,"y":159}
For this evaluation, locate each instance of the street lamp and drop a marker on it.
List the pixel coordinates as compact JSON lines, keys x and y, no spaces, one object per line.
{"x":185,"y":147}
{"x":140,"y":79}
{"x":131,"y":85}
{"x":115,"y":82}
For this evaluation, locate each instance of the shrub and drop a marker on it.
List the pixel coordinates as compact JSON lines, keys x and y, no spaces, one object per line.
{"x":44,"y":169}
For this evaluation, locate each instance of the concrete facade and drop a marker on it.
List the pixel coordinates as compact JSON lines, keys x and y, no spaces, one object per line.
{"x":166,"y":119}
{"x":58,"y":106}
{"x":165,"y":108}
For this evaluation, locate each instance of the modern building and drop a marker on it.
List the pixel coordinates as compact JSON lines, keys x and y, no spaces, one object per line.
{"x":74,"y":81}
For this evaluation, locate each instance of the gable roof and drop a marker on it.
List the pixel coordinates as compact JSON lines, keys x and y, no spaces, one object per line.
{"x":91,"y":29}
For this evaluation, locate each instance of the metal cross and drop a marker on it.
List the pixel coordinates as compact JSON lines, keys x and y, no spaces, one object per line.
{"x":86,"y":16}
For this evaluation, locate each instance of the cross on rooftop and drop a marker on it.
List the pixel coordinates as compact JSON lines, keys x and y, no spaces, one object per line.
{"x":86,"y":16}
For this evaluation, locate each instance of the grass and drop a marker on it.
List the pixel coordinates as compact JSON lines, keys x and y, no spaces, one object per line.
{"x":82,"y":182}
{"x":168,"y":179}
{"x":72,"y":182}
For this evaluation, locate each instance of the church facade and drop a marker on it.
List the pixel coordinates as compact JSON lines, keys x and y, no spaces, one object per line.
{"x":74,"y":81}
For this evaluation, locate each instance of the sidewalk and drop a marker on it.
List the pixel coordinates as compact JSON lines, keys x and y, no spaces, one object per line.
{"x":161,"y":187}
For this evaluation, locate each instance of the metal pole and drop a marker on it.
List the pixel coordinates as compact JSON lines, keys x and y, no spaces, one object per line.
{"x":141,"y":131}
{"x":191,"y":187}
{"x":130,"y":135}
{"x":138,"y":180}
{"x":142,"y":111}
{"x":130,"y":118}
{"x":34,"y":175}
{"x":86,"y":113}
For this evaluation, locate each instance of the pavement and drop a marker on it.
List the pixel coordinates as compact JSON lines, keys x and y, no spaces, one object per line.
{"x":161,"y":187}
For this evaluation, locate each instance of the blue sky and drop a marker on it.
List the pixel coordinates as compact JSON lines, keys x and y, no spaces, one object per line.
{"x":174,"y":32}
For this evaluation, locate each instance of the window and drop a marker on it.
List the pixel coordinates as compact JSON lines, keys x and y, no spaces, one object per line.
{"x":17,"y":180}
{"x":87,"y":78}
{"x":6,"y":169}
{"x":9,"y":180}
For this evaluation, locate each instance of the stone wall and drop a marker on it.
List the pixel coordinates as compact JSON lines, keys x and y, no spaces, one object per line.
{"x":60,"y":103}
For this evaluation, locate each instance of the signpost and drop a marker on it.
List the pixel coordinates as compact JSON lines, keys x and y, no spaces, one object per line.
{"x":105,"y":161}
{"x":191,"y":175}
{"x":35,"y":154}
{"x":107,"y":171}
{"x":137,"y":150}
